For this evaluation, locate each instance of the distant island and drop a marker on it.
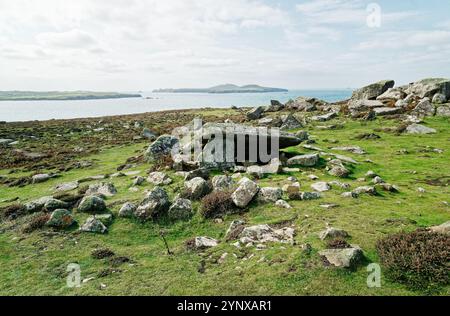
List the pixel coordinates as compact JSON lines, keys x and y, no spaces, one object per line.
{"x":62,"y":95}
{"x":226,"y":88}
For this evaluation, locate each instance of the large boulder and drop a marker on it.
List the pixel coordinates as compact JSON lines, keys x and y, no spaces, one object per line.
{"x":105,"y":188}
{"x":392,"y":94}
{"x":159,"y":178}
{"x":127,"y":210}
{"x":181,"y":209}
{"x":371,"y":92}
{"x":268,"y":195}
{"x":161,"y":147}
{"x":336,"y":168}
{"x":54,"y":204}
{"x":443,"y":111}
{"x":425,"y":107}
{"x":60,"y":219}
{"x":93,"y":225}
{"x":255,"y":113}
{"x":197,"y":188}
{"x":429,"y":87}
{"x":154,"y":205}
{"x":309,"y":160}
{"x":419,"y":129}
{"x":290,"y":122}
{"x":37,"y":205}
{"x":244,"y":194}
{"x":92,"y":204}
{"x":222,"y":183}
{"x":439,"y":98}
{"x":343,"y":258}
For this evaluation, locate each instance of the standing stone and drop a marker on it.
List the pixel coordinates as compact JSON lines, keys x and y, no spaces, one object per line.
{"x":245,"y":192}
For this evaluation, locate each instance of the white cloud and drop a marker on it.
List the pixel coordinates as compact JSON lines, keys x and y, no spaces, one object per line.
{"x":70,"y":39}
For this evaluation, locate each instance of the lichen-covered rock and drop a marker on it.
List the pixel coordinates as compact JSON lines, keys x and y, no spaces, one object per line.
{"x":138,"y":181}
{"x":92,"y":204}
{"x":429,"y":87}
{"x":154,"y":205}
{"x":290,"y":122}
{"x":105,"y":188}
{"x":331,"y":232}
{"x":61,"y":219}
{"x":127,"y":210}
{"x":307,"y":196}
{"x":371,"y":92}
{"x":266,"y":234}
{"x":159,"y":178}
{"x":54,"y":204}
{"x":222,"y":183}
{"x":93,"y":225}
{"x":160,"y":147}
{"x":181,"y":209}
{"x":65,"y":187}
{"x":37,"y":205}
{"x":244,"y":194}
{"x":343,"y":258}
{"x":420,"y":129}
{"x":309,"y":160}
{"x":337,"y":169}
{"x":321,"y":186}
{"x":425,"y":107}
{"x":269,"y":195}
{"x":365,"y":190}
{"x":197,"y":188}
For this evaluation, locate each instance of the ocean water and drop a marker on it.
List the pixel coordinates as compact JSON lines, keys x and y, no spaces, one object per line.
{"x":11,"y":111}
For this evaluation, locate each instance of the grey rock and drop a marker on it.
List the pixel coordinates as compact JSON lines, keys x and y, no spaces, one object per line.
{"x":197,"y":188}
{"x":343,"y":258}
{"x":149,"y":134}
{"x":154,"y":205}
{"x":54,"y":204}
{"x":244,"y":194}
{"x":283,"y":204}
{"x":325,"y":117}
{"x":331,"y":232}
{"x":309,"y":160}
{"x":106,"y":219}
{"x":105,"y":188}
{"x":337,"y":169}
{"x":371,"y":92}
{"x":222,"y":183}
{"x":181,"y":209}
{"x":425,"y":107}
{"x":273,"y":167}
{"x":198,"y":173}
{"x":268,"y":195}
{"x":162,"y":146}
{"x":159,"y":178}
{"x":37,"y":205}
{"x":255,"y":113}
{"x":387,"y":111}
{"x":290,"y":122}
{"x":127,"y":210}
{"x":429,"y":87}
{"x":439,"y":98}
{"x":443,"y":111}
{"x":60,"y":219}
{"x":352,"y":195}
{"x":4,"y":142}
{"x":392,"y":94}
{"x":65,"y":187}
{"x":307,"y":196}
{"x":202,"y":243}
{"x":234,"y":230}
{"x":321,"y":186}
{"x":92,"y":204}
{"x":39,"y":178}
{"x":420,"y":129}
{"x":138,"y":181}
{"x":302,"y":135}
{"x":93,"y":225}
{"x":352,"y":149}
{"x":365,"y":190}
{"x":442,"y":229}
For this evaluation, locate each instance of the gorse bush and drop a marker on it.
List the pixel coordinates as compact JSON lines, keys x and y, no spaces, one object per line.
{"x":217,"y":204}
{"x":419,"y":259}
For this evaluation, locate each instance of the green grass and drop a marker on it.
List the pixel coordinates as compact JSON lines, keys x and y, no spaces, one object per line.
{"x":35,"y":264}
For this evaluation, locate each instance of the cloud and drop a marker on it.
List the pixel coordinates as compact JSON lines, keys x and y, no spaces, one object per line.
{"x":70,"y":39}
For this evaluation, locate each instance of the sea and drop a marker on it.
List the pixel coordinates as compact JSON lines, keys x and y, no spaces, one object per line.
{"x":13,"y":111}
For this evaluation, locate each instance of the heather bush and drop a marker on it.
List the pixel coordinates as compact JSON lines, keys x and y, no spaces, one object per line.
{"x":216,"y":204}
{"x":37,"y":222}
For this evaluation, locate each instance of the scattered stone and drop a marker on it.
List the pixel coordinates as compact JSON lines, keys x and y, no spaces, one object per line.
{"x":39,"y":178}
{"x":328,"y":206}
{"x":377,"y":180}
{"x":149,"y":134}
{"x":202,"y":243}
{"x":159,"y":178}
{"x":388,"y":187}
{"x":421,"y":190}
{"x":198,"y":173}
{"x":105,"y":188}
{"x":222,"y":183}
{"x":290,"y":170}
{"x":273,"y":167}
{"x":420,"y":129}
{"x":443,"y":111}
{"x":337,"y":169}
{"x":370,"y":174}
{"x":283,"y":204}
{"x":290,"y":122}
{"x":331,"y":232}
{"x":321,"y":186}
{"x":138,"y":181}
{"x":181,"y":209}
{"x":60,"y":219}
{"x":306,"y":196}
{"x":106,"y":219}
{"x":343,"y":258}
{"x":197,"y":188}
{"x":442,"y":229}
{"x":244,"y":194}
{"x":353,"y":149}
{"x":264,"y":234}
{"x":352,"y":195}
{"x":127,"y":210}
{"x":92,"y":204}
{"x":325,"y":117}
{"x":255,"y":113}
{"x":93,"y":225}
{"x":37,"y":205}
{"x":365,"y":190}
{"x":54,"y":204}
{"x":154,"y":205}
{"x":313,"y":177}
{"x":309,"y":160}
{"x":387,"y":111}
{"x":65,"y":187}
{"x":4,"y":142}
{"x":425,"y":107}
{"x":267,"y":195}
{"x":341,"y":185}
{"x":161,"y":147}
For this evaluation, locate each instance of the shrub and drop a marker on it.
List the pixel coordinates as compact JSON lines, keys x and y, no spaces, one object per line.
{"x":36,"y":223}
{"x":12,"y":211}
{"x":338,"y":243}
{"x":102,"y":253}
{"x":418,"y":259}
{"x":216,"y":204}
{"x":161,"y":163}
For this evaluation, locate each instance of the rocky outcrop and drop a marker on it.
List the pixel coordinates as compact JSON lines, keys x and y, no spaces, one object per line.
{"x":427,"y":88}
{"x":373,"y":91}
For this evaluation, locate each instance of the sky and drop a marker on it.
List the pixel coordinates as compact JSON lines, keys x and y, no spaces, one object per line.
{"x":133,"y":45}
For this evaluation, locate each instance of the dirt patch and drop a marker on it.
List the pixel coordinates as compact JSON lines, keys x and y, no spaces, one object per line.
{"x":102,"y":253}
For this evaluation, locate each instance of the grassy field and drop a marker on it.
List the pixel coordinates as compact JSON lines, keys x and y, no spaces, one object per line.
{"x":35,"y":264}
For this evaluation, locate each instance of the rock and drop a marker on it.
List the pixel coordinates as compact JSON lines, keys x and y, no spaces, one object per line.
{"x":268,"y":195}
{"x":60,"y":219}
{"x":65,"y":187}
{"x":138,"y":181}
{"x":105,"y":188}
{"x":439,"y":98}
{"x":358,"y":106}
{"x":106,"y":219}
{"x":365,"y":190}
{"x":4,"y":142}
{"x":388,"y":187}
{"x":149,"y":134}
{"x":394,"y":94}
{"x":197,"y":188}
{"x":343,"y":258}
{"x":443,"y":111}
{"x":387,"y":111}
{"x":54,"y":204}
{"x":244,"y":194}
{"x":340,"y":184}
{"x":269,"y":121}
{"x":331,"y":232}
{"x":302,"y":135}
{"x":305,"y":104}
{"x":234,"y":230}
{"x":181,"y":209}
{"x":255,"y":113}
{"x":154,"y":205}
{"x":309,"y":160}
{"x":377,"y":180}
{"x":352,"y":149}
{"x":264,"y":234}
{"x":127,"y":210}
{"x":371,"y":92}
{"x":222,"y":183}
{"x":159,"y":178}
{"x":352,"y":195}
{"x":325,"y":117}
{"x":307,"y":196}
{"x":290,"y":122}
{"x":92,"y":204}
{"x":93,"y":225}
{"x":273,"y":167}
{"x":401,"y":104}
{"x":425,"y":107}
{"x":337,"y":169}
{"x":442,"y":229}
{"x":370,"y":174}
{"x":429,"y":87}
{"x":283,"y":204}
{"x":39,"y":178}
{"x":420,"y":129}
{"x":37,"y":205}
{"x":161,"y":147}
{"x":198,"y":173}
{"x":202,"y":243}
{"x":321,"y":186}
{"x":275,"y":106}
